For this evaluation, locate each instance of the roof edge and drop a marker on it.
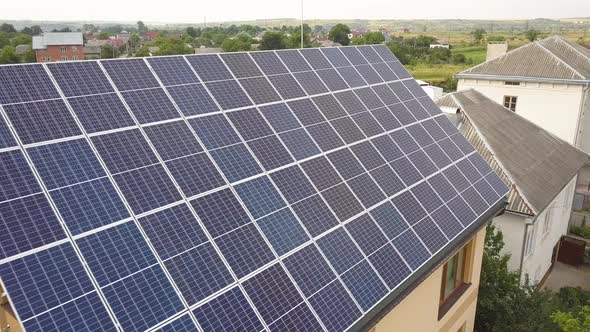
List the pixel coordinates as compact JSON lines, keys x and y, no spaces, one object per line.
{"x":406,"y":287}
{"x":521,"y":78}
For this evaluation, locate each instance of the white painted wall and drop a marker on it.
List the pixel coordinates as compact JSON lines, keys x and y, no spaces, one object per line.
{"x":555,"y":107}
{"x":513,"y":228}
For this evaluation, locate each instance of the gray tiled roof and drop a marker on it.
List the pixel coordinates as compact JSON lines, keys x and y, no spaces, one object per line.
{"x":534,"y":163}
{"x":553,"y":58}
{"x":57,"y":38}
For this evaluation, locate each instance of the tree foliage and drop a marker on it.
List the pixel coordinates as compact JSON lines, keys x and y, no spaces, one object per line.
{"x":172,"y":46}
{"x":273,"y":40}
{"x":532,"y":34}
{"x":241,"y":42}
{"x":358,"y":41}
{"x":141,"y":27}
{"x":478,"y":35}
{"x":339,"y":34}
{"x":8,"y":55}
{"x":569,"y":322}
{"x":294,"y":40}
{"x":374,"y":37}
{"x":5,"y":27}
{"x":504,"y":304}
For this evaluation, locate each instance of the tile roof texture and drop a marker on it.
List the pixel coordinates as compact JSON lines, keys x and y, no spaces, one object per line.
{"x":534,"y":163}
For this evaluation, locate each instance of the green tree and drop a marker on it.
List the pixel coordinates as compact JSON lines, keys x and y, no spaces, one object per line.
{"x":36,"y":30}
{"x":358,"y":41}
{"x":21,"y":39}
{"x":424,"y":41}
{"x":202,"y":41}
{"x":458,"y":58}
{"x":29,"y":56}
{"x":273,"y":40}
{"x":134,"y":41}
{"x":218,"y":38}
{"x":374,"y":37}
{"x":141,"y":27}
{"x":532,"y":35}
{"x":339,"y":34}
{"x":5,"y":27}
{"x":235,"y":45}
{"x":142,"y":51}
{"x":504,"y":304}
{"x":4,"y":39}
{"x":107,"y":52}
{"x":192,"y":32}
{"x":294,"y":40}
{"x":172,"y":46}
{"x":8,"y":55}
{"x":104,"y":35}
{"x":478,"y":35}
{"x":568,"y":322}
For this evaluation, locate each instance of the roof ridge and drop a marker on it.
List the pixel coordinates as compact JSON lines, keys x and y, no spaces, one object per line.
{"x":488,"y":146}
{"x":466,"y":71}
{"x":569,"y":44}
{"x":580,"y":76}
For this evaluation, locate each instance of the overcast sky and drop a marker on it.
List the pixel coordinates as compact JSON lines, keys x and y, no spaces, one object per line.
{"x":194,"y":11}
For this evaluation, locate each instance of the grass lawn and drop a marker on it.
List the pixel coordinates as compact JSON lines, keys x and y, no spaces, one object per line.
{"x":434,"y":73}
{"x":477,"y":54}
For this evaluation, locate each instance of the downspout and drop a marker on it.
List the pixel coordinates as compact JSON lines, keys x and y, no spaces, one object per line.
{"x":526,"y":229}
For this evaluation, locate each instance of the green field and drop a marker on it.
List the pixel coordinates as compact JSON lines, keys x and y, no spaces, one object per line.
{"x":477,"y":54}
{"x":434,"y":73}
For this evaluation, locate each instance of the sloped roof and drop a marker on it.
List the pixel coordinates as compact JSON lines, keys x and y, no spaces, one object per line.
{"x":553,"y":58}
{"x":535,"y":164}
{"x":57,"y":38}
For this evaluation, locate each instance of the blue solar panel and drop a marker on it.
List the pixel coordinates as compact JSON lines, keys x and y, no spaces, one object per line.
{"x":89,"y":205}
{"x":335,"y":307}
{"x":42,"y":121}
{"x":334,"y":244}
{"x":198,"y":273}
{"x":37,"y":225}
{"x":309,"y":269}
{"x":80,"y":78}
{"x":283,"y":231}
{"x":147,"y":188}
{"x":220,"y":212}
{"x":172,"y":70}
{"x":238,"y":162}
{"x":192,"y":99}
{"x":66,"y":163}
{"x":16,"y":84}
{"x":365,"y":285}
{"x":101,"y":112}
{"x":209,"y":67}
{"x":130,"y":74}
{"x":116,"y":253}
{"x":229,"y":312}
{"x":150,"y":105}
{"x":143,"y":299}
{"x":262,"y":291}
{"x":315,"y":215}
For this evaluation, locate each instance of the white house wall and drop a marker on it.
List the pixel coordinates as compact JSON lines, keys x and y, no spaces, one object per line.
{"x":512,"y":227}
{"x":539,"y":262}
{"x":555,"y":107}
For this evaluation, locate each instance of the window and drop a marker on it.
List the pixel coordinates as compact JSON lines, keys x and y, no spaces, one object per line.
{"x":74,"y":49}
{"x":455,"y":279}
{"x":62,"y":49}
{"x":511,"y":83}
{"x":529,"y":242}
{"x":74,"y":57}
{"x":64,"y":58}
{"x":547,"y":220}
{"x":510,"y":102}
{"x":46,"y":58}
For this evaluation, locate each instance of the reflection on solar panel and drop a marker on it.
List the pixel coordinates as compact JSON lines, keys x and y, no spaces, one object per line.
{"x":279,"y":190}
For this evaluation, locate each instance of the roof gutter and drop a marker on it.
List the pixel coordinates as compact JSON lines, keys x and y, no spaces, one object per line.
{"x":407,"y":286}
{"x":522,"y":79}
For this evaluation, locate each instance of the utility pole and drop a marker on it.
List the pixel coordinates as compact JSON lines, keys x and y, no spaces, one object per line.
{"x":301,"y":23}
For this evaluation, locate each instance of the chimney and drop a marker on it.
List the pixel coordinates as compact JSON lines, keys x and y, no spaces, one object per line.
{"x":496,"y":49}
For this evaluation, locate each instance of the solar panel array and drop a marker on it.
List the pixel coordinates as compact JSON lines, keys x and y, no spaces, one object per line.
{"x":278,"y":190}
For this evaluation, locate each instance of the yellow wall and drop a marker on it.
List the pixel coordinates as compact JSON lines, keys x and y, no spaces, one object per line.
{"x":7,"y":317}
{"x":418,"y":312}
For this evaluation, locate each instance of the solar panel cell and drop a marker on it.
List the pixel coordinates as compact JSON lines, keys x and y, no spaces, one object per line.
{"x":192,"y":99}
{"x":351,"y":77}
{"x":228,"y":94}
{"x":195,"y":174}
{"x":15,"y":83}
{"x":332,"y":80}
{"x":173,"y":140}
{"x":342,"y":202}
{"x":411,"y":249}
{"x":269,"y":62}
{"x":389,"y":220}
{"x":214,"y":131}
{"x":366,"y":233}
{"x":299,"y":144}
{"x":101,"y":112}
{"x":260,"y":196}
{"x":209,"y":67}
{"x":260,"y":90}
{"x":293,"y":60}
{"x":335,"y":307}
{"x":300,"y":319}
{"x":432,"y":237}
{"x":80,"y":78}
{"x":310,"y":82}
{"x":334,"y":244}
{"x":16,"y":177}
{"x":150,"y":105}
{"x":172,"y":70}
{"x":283,"y":231}
{"x":346,"y":163}
{"x":270,"y":152}
{"x":325,"y":136}
{"x":390,"y":266}
{"x":220,"y":212}
{"x":293,"y":184}
{"x":130,"y":74}
{"x":365,"y":285}
{"x":124,"y":150}
{"x":287,"y":86}
{"x":250,"y":124}
{"x":229,"y":312}
{"x":241,"y":64}
{"x":315,"y":215}
{"x":309,"y":270}
{"x":236,"y":162}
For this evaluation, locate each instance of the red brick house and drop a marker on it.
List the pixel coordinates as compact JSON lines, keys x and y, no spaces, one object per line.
{"x":59,"y":46}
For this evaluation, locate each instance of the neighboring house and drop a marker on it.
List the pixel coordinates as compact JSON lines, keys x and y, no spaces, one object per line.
{"x":59,"y":46}
{"x":441,"y":43}
{"x":150,"y":35}
{"x":548,"y":83}
{"x":538,"y":167}
{"x":92,"y":52}
{"x":96,"y":42}
{"x":22,"y":49}
{"x":434,"y":92}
